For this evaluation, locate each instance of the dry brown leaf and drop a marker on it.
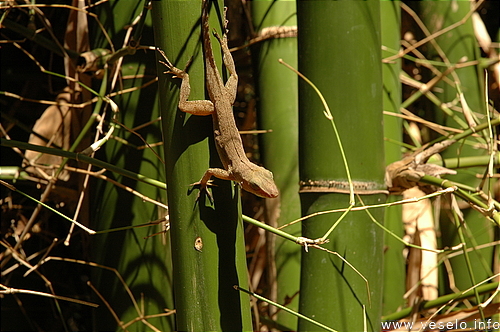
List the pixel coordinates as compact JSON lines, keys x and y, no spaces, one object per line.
{"x":55,"y":126}
{"x":419,"y":216}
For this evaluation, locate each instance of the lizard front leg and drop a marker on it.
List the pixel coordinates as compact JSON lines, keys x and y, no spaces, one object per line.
{"x":205,"y":180}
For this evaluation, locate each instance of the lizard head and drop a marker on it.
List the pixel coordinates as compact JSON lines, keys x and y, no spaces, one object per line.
{"x":260,"y":183}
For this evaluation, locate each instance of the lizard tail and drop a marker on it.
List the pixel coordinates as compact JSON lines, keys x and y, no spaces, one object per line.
{"x":204,"y":18}
{"x":206,"y":34}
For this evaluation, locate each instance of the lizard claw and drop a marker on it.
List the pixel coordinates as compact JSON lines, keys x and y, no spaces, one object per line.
{"x":174,"y":71}
{"x":204,"y":189}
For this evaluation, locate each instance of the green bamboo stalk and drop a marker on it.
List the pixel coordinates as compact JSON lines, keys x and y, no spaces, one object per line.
{"x":284,"y":308}
{"x":394,"y":262}
{"x":208,"y":253}
{"x":278,"y":109}
{"x":457,"y":44}
{"x":465,"y":162}
{"x":339,"y":50}
{"x":142,"y":259}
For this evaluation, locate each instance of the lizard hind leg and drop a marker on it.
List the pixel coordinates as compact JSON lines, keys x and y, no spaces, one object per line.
{"x":195,"y":107}
{"x":167,"y":62}
{"x":178,"y":73}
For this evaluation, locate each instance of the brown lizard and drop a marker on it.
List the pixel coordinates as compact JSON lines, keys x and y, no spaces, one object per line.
{"x":237,"y":167}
